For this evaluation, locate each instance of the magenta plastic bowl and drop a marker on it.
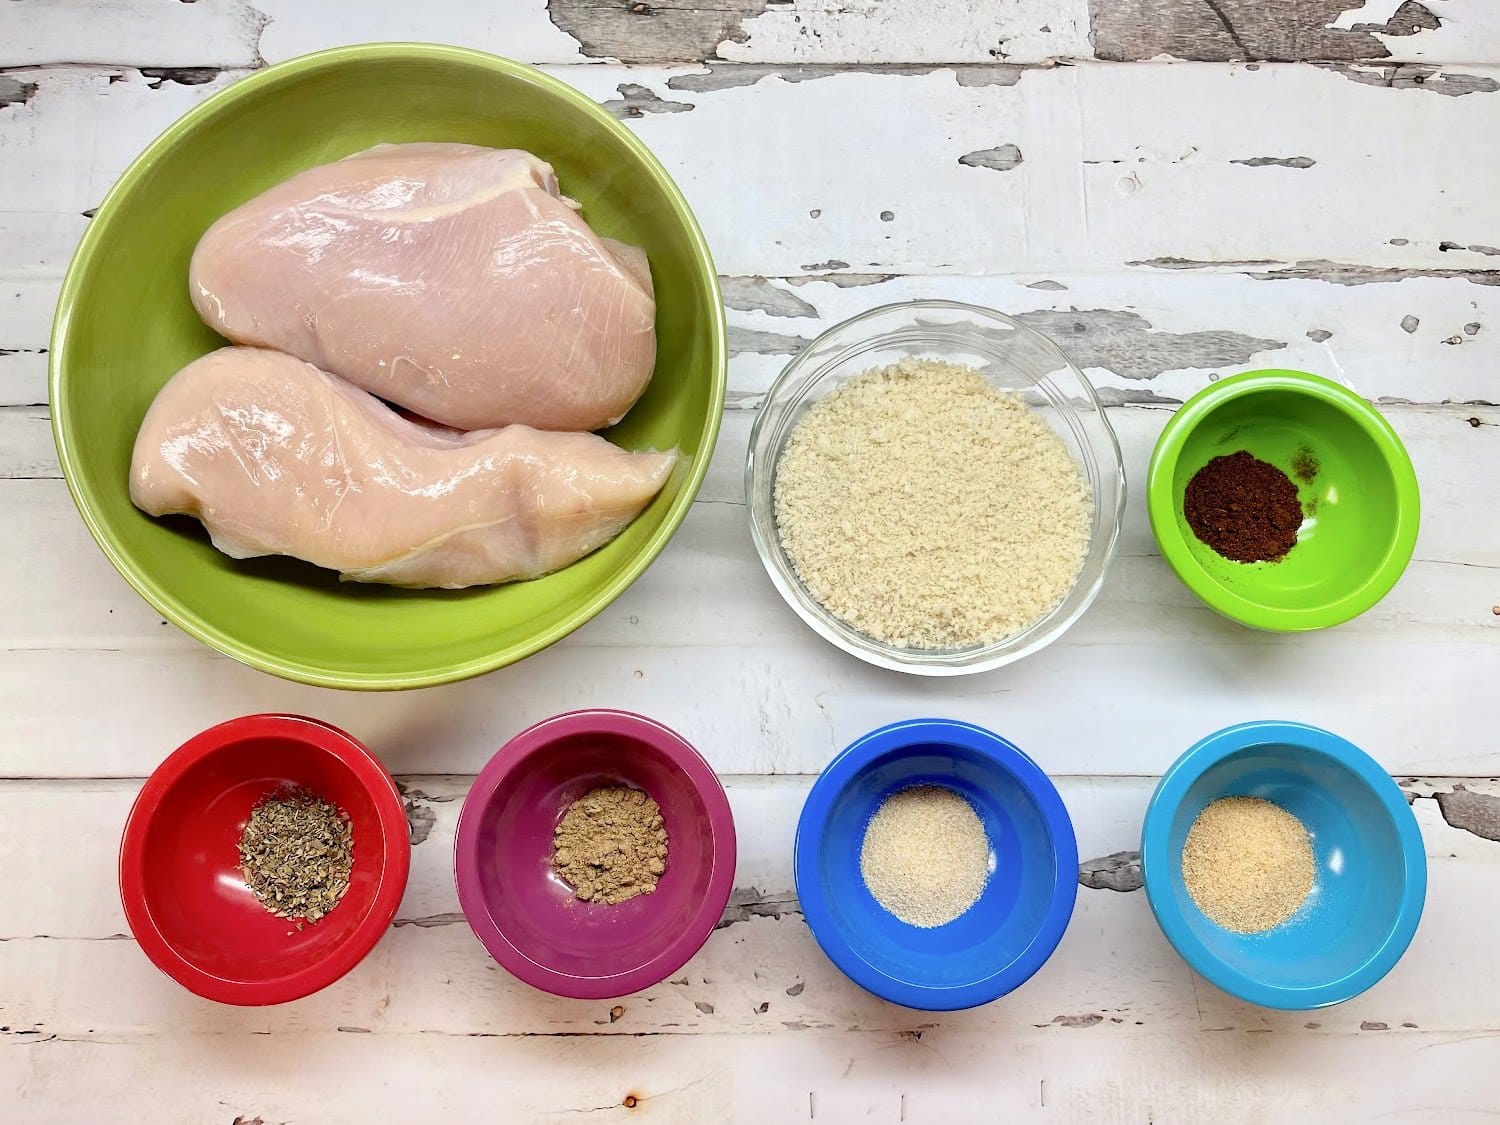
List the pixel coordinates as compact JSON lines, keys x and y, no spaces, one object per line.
{"x":528,"y":918}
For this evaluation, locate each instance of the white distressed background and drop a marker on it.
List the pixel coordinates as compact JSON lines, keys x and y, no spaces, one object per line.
{"x":1175,"y":190}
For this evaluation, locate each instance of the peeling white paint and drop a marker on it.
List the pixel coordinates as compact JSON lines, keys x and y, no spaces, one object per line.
{"x":797,"y":166}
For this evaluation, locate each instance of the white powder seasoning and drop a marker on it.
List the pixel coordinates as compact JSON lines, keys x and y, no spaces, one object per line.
{"x":925,"y":856}
{"x":929,"y":510}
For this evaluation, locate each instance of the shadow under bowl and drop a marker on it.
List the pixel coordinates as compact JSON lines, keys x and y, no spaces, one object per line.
{"x":1370,"y":877}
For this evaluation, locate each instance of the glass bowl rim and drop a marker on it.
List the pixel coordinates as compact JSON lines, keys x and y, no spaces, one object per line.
{"x":939,"y":663}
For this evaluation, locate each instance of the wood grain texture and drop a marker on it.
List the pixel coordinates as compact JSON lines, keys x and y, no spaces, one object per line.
{"x":760,"y":950}
{"x":238,"y":33}
{"x":1144,"y":337}
{"x":783,"y":700}
{"x":1218,"y":185}
{"x":1116,"y":167}
{"x":1025,"y":1074}
{"x":1113,"y":995}
{"x":1249,"y":30}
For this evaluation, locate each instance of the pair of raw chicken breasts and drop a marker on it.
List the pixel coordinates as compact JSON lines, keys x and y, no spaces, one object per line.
{"x":455,"y":282}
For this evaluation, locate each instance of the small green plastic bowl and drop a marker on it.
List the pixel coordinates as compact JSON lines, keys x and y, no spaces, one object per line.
{"x":1361,"y":507}
{"x":125,"y":325}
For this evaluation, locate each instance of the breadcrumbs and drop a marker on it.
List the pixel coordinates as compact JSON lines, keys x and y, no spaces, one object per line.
{"x":1247,"y":864}
{"x":930,"y":510}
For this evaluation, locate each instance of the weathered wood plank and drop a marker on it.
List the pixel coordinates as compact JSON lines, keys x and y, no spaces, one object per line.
{"x":789,"y":706}
{"x":1234,"y":1079}
{"x":786,"y":700}
{"x":1454,"y":449}
{"x":1112,"y":974}
{"x":706,"y":584}
{"x":1114,"y":166}
{"x":70,"y":897}
{"x":760,"y":1000}
{"x":826,"y":32}
{"x":1283,"y":30}
{"x":26,"y":448}
{"x":1340,"y":226}
{"x":210,"y":33}
{"x":238,"y":33}
{"x":1158,"y":336}
{"x":1142,"y":336}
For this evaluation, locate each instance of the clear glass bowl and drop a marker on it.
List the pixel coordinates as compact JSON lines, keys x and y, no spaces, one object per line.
{"x":1014,"y":359}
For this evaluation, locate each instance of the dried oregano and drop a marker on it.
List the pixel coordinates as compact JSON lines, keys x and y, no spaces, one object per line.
{"x":296,"y":852}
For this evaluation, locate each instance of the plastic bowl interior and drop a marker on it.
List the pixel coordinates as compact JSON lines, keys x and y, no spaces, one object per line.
{"x":1007,"y":935}
{"x":1371,"y":869}
{"x":529,"y":919}
{"x":185,"y":897}
{"x":1013,"y":358}
{"x":1361,"y":507}
{"x":125,"y":325}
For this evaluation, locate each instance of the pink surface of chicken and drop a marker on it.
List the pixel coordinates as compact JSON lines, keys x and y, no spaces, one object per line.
{"x":450,"y":279}
{"x":278,"y":458}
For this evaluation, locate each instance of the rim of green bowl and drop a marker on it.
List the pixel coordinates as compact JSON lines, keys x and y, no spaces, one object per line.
{"x":1162,"y":508}
{"x":91,"y":246}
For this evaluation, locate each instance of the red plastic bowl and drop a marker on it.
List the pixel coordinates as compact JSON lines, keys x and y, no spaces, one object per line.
{"x":529,"y":919}
{"x":184,"y":895}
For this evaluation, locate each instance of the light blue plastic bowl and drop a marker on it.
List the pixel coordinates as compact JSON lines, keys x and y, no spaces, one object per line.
{"x":1007,"y":935}
{"x":1371,"y":869}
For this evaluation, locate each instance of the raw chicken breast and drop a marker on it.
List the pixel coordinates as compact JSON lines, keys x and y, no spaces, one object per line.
{"x":450,"y":279}
{"x":278,"y":458}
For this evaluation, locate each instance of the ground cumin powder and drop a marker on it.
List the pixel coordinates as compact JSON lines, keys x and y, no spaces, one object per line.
{"x":1247,"y":864}
{"x":610,"y":845}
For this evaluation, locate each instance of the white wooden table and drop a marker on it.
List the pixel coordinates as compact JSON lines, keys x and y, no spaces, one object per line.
{"x":1175,"y":190}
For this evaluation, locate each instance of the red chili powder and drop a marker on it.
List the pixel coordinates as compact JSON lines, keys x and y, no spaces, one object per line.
{"x":1242,"y":507}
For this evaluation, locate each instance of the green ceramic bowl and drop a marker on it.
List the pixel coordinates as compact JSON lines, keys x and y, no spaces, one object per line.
{"x":125,"y":325}
{"x":1361,"y":506}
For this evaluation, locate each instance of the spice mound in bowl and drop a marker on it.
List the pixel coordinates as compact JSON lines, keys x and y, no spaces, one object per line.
{"x":1283,"y":500}
{"x":1246,"y":509}
{"x":610,"y":845}
{"x":925,"y":855}
{"x":935,"y":488}
{"x":936,"y":864}
{"x":296,"y":851}
{"x":1283,"y":864}
{"x":595,"y":854}
{"x":1247,"y":864}
{"x":264,"y":859}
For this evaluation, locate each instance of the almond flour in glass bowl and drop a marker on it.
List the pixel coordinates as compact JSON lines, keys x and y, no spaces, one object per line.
{"x":1012,"y":358}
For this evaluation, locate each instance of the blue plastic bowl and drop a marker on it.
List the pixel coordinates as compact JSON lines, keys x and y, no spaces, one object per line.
{"x":1020,"y":916}
{"x":1371,"y":869}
